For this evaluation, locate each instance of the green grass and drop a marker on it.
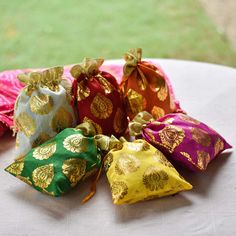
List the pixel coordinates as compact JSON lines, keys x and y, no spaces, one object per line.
{"x":47,"y":33}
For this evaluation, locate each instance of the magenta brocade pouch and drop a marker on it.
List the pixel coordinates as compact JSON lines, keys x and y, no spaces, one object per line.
{"x":185,"y":140}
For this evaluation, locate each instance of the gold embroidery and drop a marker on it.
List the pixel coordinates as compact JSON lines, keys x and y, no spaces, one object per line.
{"x":171,"y":137}
{"x":189,"y":119}
{"x":16,"y":168}
{"x":74,"y":169}
{"x":138,"y":145}
{"x":97,"y":127}
{"x":41,"y":104}
{"x":101,"y":107}
{"x":43,"y":176}
{"x":62,"y":119}
{"x":126,"y":164}
{"x":219,"y":146}
{"x":154,"y":178}
{"x":201,"y":137}
{"x":108,"y":161}
{"x":26,"y":124}
{"x":185,"y":154}
{"x":24,"y":179}
{"x":107,"y":86}
{"x":119,"y":189}
{"x":82,"y":91}
{"x":159,"y":156}
{"x":75,"y":143}
{"x":135,"y":101}
{"x":45,"y":151}
{"x":119,"y":121}
{"x":157,"y":112}
{"x":203,"y":159}
{"x":42,"y":138}
{"x":163,"y":92}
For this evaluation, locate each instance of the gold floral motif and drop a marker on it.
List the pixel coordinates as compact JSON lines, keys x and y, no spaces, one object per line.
{"x":135,"y":102}
{"x":45,"y":151}
{"x":190,"y":119}
{"x":82,"y":91}
{"x":26,"y":124}
{"x":154,"y":178}
{"x":138,"y":145}
{"x":159,"y":156}
{"x":101,"y":107}
{"x":203,"y":159}
{"x":108,"y":161}
{"x":61,"y":120}
{"x":163,"y":92}
{"x":43,"y":176}
{"x":118,"y":189}
{"x":74,"y":169}
{"x":16,"y":168}
{"x":119,"y":121}
{"x":157,"y":112}
{"x":42,"y":138}
{"x":187,"y":155}
{"x":41,"y":104}
{"x":24,"y":179}
{"x":107,"y":86}
{"x":75,"y":143}
{"x":126,"y":164}
{"x":171,"y":137}
{"x":201,"y":137}
{"x":98,"y":128}
{"x":219,"y":146}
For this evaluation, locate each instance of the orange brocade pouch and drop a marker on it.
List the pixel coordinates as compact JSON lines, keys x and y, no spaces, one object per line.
{"x":144,"y":87}
{"x":97,"y":98}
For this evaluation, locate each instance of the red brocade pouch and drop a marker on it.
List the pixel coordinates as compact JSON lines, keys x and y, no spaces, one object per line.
{"x":97,"y":98}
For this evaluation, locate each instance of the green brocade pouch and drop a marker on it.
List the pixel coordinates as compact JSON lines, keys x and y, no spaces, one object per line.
{"x":61,"y":163}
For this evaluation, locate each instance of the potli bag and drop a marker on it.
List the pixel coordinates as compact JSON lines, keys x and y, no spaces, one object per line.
{"x":98,"y":99}
{"x":43,"y":109}
{"x":145,"y":87}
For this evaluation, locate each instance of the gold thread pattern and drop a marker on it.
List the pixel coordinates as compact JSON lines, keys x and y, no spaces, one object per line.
{"x":159,"y":156}
{"x":171,"y":137}
{"x":43,"y":176}
{"x":135,"y":101}
{"x":157,"y":112}
{"x":82,"y":91}
{"x":203,"y":159}
{"x":126,"y":164}
{"x":118,"y":189}
{"x":108,"y":161}
{"x":26,"y":124}
{"x":16,"y":168}
{"x":45,"y":151}
{"x":98,"y":128}
{"x":119,"y":121}
{"x":201,"y":137}
{"x":101,"y":107}
{"x":163,"y":92}
{"x":61,"y":120}
{"x":219,"y":146}
{"x":74,"y":169}
{"x":189,"y":119}
{"x":75,"y":143}
{"x":41,"y":104}
{"x":42,"y":138}
{"x":154,"y":178}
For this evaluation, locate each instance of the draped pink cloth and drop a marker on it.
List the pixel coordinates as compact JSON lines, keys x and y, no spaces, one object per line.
{"x":10,"y":87}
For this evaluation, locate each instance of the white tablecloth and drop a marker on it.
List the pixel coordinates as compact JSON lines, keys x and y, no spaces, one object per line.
{"x":208,"y":93}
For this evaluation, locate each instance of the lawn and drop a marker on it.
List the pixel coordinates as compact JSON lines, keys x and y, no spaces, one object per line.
{"x":45,"y":33}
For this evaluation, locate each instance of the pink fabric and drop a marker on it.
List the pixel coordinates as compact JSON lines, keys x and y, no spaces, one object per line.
{"x":185,"y":140}
{"x":10,"y":87}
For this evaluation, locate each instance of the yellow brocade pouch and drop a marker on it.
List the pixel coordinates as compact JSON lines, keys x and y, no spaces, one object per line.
{"x":139,"y":172}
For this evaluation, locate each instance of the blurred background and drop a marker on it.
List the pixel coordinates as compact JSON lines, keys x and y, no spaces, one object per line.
{"x":42,"y":33}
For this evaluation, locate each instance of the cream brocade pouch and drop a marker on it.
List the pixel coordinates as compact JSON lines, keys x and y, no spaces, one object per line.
{"x":42,"y":109}
{"x":140,"y":172}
